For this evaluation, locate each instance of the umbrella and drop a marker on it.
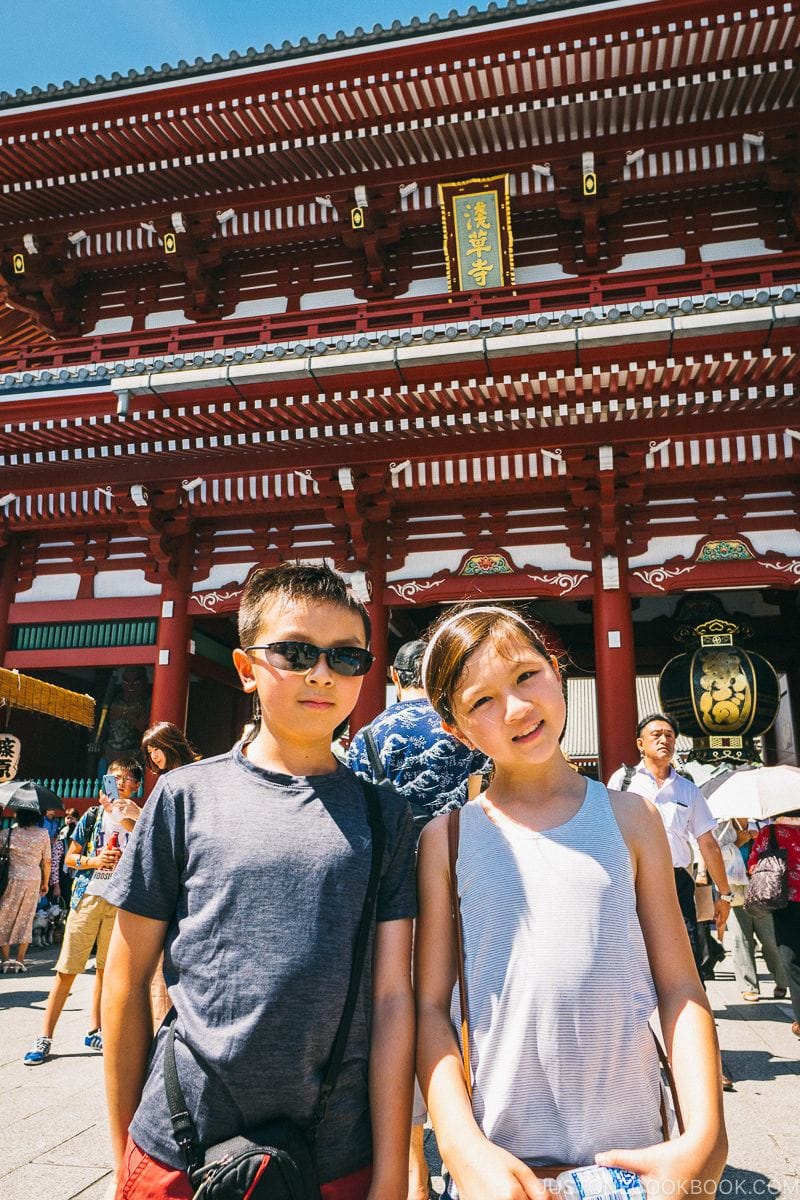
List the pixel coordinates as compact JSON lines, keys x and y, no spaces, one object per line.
{"x":23,"y":795}
{"x":756,"y":793}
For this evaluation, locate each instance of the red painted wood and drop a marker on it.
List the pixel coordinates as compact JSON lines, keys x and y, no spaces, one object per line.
{"x":372,"y":699}
{"x":86,"y":656}
{"x":8,"y":583}
{"x":40,"y":612}
{"x":171,"y":679}
{"x":615,"y":669}
{"x":420,"y":312}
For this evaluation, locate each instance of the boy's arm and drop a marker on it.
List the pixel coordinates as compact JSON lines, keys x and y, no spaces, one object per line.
{"x":391,"y":1059}
{"x":127,"y":1021}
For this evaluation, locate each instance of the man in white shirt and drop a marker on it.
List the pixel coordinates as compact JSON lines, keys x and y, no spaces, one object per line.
{"x":685,"y":813}
{"x":683,"y":809}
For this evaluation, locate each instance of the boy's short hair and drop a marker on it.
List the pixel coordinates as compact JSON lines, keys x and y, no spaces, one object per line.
{"x":645,"y":721}
{"x":294,"y":581}
{"x":128,"y":764}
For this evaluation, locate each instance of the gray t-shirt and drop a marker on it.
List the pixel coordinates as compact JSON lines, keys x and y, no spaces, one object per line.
{"x":262,"y":880}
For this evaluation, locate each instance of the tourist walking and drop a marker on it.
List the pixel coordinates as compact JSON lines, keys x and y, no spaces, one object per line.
{"x":787,"y":920}
{"x":733,"y":837}
{"x":28,"y":879}
{"x":94,"y":852}
{"x":572,"y":935}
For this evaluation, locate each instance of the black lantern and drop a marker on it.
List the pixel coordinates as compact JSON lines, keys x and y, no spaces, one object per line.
{"x":722,"y":696}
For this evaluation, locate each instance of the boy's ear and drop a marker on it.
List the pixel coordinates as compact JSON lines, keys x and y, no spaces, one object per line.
{"x":455,"y":732}
{"x":244,"y":669}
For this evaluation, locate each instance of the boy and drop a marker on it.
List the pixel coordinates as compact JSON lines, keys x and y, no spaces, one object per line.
{"x":250,"y":870}
{"x":91,"y":917}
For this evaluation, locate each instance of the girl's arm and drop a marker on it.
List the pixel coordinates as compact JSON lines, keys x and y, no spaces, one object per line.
{"x":391,"y":1059}
{"x":479,"y":1168}
{"x":686,"y":1020}
{"x":127,"y":1021}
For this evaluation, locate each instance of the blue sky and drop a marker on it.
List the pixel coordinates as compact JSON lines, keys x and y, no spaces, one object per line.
{"x":48,"y":41}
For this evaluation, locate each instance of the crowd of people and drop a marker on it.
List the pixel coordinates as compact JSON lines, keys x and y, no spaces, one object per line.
{"x":264,"y":902}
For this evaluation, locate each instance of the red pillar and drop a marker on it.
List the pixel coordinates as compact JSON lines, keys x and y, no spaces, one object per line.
{"x":615,"y":665}
{"x":8,"y":587}
{"x":171,"y":676}
{"x":373,"y":690}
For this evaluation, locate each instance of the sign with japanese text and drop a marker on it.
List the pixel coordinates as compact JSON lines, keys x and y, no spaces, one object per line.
{"x":9,"y":756}
{"x":476,"y":225}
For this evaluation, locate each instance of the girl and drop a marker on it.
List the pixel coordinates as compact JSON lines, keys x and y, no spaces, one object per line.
{"x":786,"y":920}
{"x":572,"y":934}
{"x":167,"y":747}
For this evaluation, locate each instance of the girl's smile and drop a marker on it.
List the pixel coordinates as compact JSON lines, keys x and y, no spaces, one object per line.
{"x":529,"y":734}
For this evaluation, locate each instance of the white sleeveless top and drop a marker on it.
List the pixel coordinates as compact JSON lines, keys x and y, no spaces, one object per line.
{"x":559,"y":987}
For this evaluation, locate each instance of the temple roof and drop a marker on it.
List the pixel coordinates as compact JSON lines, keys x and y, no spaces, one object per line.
{"x":359,"y":39}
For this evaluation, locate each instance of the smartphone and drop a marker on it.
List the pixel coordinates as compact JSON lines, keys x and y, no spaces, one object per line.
{"x":110,"y":787}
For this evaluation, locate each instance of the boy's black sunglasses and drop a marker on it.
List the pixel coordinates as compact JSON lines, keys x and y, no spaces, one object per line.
{"x":302,"y":656}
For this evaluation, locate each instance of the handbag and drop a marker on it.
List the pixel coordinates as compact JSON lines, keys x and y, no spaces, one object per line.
{"x":5,"y":863}
{"x":768,"y":889}
{"x":275,"y":1159}
{"x":549,"y":1172}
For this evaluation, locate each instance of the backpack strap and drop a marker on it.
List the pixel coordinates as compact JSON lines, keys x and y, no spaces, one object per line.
{"x":626,"y":778}
{"x":378,"y":769}
{"x":91,"y":823}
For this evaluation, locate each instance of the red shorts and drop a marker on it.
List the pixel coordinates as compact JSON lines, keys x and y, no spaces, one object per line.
{"x":143,"y":1178}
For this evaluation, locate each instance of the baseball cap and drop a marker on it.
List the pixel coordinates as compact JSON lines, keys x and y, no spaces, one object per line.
{"x":409,"y":657}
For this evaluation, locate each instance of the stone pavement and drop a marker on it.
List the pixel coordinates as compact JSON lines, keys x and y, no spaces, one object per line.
{"x":54,"y":1138}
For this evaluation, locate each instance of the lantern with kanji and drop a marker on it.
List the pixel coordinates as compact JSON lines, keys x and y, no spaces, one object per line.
{"x":722,"y":695}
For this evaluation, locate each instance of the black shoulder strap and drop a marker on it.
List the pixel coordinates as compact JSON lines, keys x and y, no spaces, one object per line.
{"x":182,"y":1123}
{"x":378,"y":831}
{"x":626,"y":778}
{"x":90,"y":824}
{"x":378,"y":770}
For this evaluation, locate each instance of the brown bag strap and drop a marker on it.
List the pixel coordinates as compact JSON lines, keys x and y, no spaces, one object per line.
{"x":453,"y":820}
{"x":666,"y":1067}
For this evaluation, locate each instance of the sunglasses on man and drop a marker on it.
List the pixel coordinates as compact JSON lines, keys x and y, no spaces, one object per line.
{"x":303,"y":656}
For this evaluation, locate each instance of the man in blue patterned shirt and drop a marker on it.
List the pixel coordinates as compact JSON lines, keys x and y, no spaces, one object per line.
{"x":427,"y":765}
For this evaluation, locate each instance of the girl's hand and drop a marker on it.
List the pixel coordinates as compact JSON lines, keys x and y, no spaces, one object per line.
{"x":490,"y":1171}
{"x":680,"y":1167}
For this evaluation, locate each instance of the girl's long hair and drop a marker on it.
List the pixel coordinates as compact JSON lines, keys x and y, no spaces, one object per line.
{"x":172,"y":742}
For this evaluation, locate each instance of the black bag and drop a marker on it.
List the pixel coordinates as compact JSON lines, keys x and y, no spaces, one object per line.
{"x":275,"y":1160}
{"x":768,"y":888}
{"x":5,"y":863}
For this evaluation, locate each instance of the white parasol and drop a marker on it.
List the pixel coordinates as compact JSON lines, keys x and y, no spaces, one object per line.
{"x":756,"y":794}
